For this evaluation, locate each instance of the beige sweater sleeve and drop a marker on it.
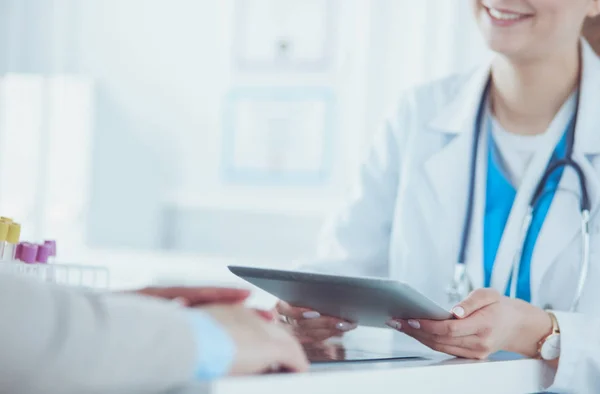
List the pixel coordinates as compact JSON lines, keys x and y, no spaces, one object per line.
{"x":59,"y":340}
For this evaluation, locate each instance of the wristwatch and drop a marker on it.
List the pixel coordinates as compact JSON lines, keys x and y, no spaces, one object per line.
{"x":549,"y":346}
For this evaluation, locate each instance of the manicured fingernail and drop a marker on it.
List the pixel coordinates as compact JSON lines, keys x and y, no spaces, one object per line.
{"x":180,"y":301}
{"x":396,"y":325}
{"x":311,"y":315}
{"x":345,"y":326}
{"x":458,"y":311}
{"x":414,"y":324}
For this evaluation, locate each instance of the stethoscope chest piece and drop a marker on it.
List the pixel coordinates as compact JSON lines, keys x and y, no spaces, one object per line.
{"x":461,"y":285}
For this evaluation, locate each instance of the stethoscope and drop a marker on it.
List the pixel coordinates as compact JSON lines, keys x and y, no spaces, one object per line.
{"x":461,"y":285}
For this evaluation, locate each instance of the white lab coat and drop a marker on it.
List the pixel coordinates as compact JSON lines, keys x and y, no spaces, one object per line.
{"x":405,"y":217}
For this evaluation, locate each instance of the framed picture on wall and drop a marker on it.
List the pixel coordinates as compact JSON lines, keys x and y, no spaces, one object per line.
{"x":284,"y":35}
{"x":278,"y":136}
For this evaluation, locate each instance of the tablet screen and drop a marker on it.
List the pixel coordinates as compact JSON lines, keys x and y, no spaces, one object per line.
{"x":338,"y":352}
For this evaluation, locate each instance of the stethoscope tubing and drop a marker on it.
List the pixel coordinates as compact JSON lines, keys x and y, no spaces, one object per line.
{"x":566,"y":162}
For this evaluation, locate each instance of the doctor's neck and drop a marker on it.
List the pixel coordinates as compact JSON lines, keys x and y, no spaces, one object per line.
{"x":526,"y":95}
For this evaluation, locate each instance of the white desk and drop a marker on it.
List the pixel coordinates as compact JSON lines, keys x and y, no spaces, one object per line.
{"x":437,"y":373}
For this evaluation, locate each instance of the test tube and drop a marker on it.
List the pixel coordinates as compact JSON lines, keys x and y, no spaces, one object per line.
{"x":28,"y":252}
{"x":3,"y":235}
{"x":12,"y":240}
{"x":18,"y":251}
{"x":43,"y":252}
{"x":52,"y":245}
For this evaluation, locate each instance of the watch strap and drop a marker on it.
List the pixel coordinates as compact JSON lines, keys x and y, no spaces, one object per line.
{"x":555,"y":331}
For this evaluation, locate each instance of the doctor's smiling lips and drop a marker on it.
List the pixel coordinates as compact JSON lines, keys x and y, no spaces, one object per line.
{"x":505,"y":17}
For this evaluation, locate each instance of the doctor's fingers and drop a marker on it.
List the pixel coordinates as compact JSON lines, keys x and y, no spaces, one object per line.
{"x":294,"y":312}
{"x":478,"y":299}
{"x":449,"y":328}
{"x":326,"y":322}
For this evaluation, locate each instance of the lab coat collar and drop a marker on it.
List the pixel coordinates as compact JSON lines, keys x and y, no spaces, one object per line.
{"x":448,"y":172}
{"x":563,"y":222}
{"x":459,"y":114}
{"x":563,"y":225}
{"x":587,"y":138}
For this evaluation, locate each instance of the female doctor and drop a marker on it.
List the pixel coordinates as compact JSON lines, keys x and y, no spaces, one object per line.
{"x":490,"y":181}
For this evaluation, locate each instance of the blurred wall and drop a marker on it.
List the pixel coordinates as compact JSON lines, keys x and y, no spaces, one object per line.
{"x":163,"y":70}
{"x":158,"y":74}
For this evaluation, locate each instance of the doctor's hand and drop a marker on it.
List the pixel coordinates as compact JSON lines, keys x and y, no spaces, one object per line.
{"x":261,"y":346}
{"x":309,"y":326}
{"x":486,"y":322}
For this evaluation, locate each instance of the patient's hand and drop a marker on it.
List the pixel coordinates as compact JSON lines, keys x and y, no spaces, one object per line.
{"x":261,"y":346}
{"x":196,"y":296}
{"x":309,"y":326}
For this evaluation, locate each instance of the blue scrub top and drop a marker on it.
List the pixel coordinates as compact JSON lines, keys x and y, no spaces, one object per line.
{"x":500,"y":195}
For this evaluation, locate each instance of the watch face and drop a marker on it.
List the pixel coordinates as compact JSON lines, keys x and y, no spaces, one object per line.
{"x":551,"y":348}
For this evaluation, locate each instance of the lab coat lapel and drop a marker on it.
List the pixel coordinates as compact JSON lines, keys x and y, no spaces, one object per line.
{"x":510,"y":242}
{"x":448,"y":172}
{"x":563,"y":222}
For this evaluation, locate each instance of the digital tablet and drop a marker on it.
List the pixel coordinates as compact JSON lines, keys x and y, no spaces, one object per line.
{"x":365,"y":301}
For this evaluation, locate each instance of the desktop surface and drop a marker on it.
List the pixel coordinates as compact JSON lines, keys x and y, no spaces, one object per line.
{"x":376,"y":363}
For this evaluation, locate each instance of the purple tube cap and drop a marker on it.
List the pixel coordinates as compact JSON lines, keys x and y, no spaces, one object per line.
{"x":52,"y":244}
{"x":43,"y":252}
{"x":18,"y":251}
{"x":29,"y":253}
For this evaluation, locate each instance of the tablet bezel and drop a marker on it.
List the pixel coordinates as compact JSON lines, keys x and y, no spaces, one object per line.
{"x":364,"y":300}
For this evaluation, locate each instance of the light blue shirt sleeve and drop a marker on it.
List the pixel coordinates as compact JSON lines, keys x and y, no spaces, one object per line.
{"x":214,"y":347}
